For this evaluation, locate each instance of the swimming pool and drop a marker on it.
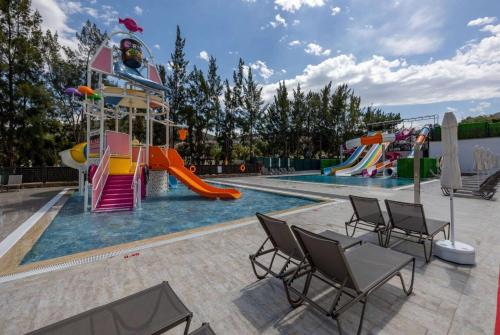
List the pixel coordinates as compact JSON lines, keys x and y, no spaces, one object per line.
{"x":74,"y":231}
{"x":356,"y":181}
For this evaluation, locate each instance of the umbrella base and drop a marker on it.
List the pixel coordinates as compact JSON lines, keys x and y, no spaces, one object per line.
{"x":459,"y":253}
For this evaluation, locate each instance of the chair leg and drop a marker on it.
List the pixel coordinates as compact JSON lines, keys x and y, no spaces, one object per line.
{"x":388,"y":238}
{"x":428,"y":258}
{"x":360,"y":327}
{"x":300,"y":299}
{"x":408,"y":290}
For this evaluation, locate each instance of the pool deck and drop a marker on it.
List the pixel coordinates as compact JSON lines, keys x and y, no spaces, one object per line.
{"x":212,"y":275}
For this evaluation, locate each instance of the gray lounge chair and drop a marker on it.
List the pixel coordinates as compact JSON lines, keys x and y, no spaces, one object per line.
{"x":354,"y":273}
{"x":14,"y":181}
{"x":367,"y":216}
{"x":151,"y":311}
{"x":486,"y":188}
{"x":284,"y":246}
{"x":408,"y":222}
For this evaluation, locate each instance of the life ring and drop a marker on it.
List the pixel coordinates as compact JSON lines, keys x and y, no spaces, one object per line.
{"x":242,"y":168}
{"x":192,"y":168}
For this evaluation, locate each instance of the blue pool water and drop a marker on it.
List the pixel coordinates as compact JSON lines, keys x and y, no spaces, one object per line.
{"x":73,"y":231}
{"x":356,"y":181}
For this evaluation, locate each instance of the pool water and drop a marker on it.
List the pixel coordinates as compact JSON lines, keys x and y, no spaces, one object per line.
{"x":356,"y":181}
{"x":74,"y":231}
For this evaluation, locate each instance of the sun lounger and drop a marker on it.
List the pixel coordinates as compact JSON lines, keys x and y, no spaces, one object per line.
{"x":14,"y":181}
{"x":283,"y":245}
{"x":408,"y":222}
{"x":354,"y":273}
{"x":152,"y":311}
{"x":367,"y":216}
{"x":486,"y":188}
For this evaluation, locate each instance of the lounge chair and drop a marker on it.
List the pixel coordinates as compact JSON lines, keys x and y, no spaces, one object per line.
{"x":283,"y":170}
{"x":486,"y":188}
{"x":355,"y":273}
{"x":275,"y":171}
{"x":291,"y":169}
{"x":14,"y":181}
{"x":408,"y":222}
{"x":284,"y":246}
{"x":152,"y":311}
{"x":367,"y":216}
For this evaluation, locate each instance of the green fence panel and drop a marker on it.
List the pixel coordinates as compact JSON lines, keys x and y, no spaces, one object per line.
{"x":494,"y":129}
{"x":325,"y":163}
{"x":428,"y":167}
{"x":472,"y":130}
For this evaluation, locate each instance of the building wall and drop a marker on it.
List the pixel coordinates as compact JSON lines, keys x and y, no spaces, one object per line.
{"x":466,"y":150}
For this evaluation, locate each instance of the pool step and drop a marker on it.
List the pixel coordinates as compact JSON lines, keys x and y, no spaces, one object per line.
{"x":117,"y":194}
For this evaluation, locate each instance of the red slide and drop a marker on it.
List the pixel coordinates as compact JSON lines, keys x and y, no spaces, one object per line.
{"x":173,"y":163}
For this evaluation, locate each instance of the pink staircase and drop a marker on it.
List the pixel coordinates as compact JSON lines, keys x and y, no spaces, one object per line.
{"x":117,"y":194}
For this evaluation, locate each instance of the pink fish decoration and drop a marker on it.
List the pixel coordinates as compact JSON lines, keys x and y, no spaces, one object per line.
{"x":130,"y":24}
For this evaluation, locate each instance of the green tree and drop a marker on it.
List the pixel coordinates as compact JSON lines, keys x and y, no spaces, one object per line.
{"x":177,"y":80}
{"x":252,"y":112}
{"x":24,"y":100}
{"x":277,"y":122}
{"x":297,"y":121}
{"x":215,"y":88}
{"x":227,"y":135}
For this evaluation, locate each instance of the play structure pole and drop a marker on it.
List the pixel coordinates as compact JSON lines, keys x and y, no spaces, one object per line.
{"x":416,"y":176}
{"x":147,"y":128}
{"x":130,"y":117}
{"x":101,"y":121}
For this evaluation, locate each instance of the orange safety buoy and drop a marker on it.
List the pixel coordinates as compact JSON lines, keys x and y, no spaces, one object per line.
{"x":192,"y":168}
{"x":242,"y":168}
{"x":182,"y":134}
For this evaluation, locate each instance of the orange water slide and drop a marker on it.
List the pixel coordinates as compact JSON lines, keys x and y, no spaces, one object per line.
{"x":173,"y":163}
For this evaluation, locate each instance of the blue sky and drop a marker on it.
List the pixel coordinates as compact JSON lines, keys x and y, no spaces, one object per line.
{"x":414,"y":57}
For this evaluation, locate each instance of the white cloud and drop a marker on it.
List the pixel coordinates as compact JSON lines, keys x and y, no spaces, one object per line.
{"x":335,"y":10}
{"x":317,"y":50}
{"x":204,"y":55}
{"x":157,"y":46}
{"x":471,"y":74}
{"x":481,"y":21}
{"x":294,"y":5}
{"x":294,"y":43}
{"x":138,"y":10}
{"x":295,"y":22}
{"x":481,"y":107}
{"x":283,"y":71}
{"x":262,"y":69}
{"x":278,"y":21}
{"x":415,"y":45}
{"x":55,"y":20}
{"x":451,"y":109}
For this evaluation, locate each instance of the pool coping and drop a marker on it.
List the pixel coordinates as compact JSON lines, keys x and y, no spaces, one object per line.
{"x":94,"y":255}
{"x":395,"y":188}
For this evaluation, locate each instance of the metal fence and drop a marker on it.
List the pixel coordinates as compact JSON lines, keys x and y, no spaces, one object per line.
{"x":284,"y":162}
{"x":225,"y":169}
{"x":40,"y":174}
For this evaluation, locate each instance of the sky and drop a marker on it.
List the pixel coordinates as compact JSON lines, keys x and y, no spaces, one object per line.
{"x":414,"y":57}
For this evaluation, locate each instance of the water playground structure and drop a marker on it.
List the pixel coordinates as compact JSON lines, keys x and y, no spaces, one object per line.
{"x":370,"y":155}
{"x":115,"y":171}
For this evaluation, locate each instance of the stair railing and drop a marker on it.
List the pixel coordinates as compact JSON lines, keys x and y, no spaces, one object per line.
{"x":100,"y":177}
{"x":137,"y":181}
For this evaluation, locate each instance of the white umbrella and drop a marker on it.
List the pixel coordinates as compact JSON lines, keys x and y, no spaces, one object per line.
{"x":451,"y":179}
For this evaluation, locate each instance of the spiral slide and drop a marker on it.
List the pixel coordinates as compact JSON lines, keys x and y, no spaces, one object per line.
{"x":347,"y":163}
{"x":371,"y":158}
{"x":75,"y":157}
{"x":173,"y":163}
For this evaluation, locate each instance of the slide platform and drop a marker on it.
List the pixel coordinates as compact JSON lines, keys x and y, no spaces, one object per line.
{"x":371,"y":158}
{"x":347,"y":163}
{"x":173,"y":163}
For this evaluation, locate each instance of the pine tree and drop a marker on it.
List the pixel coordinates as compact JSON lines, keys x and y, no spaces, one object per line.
{"x":253,"y":109}
{"x":24,"y":100}
{"x":89,"y":39}
{"x":228,"y":128}
{"x":297,"y":120}
{"x":177,"y":79}
{"x":215,"y":90}
{"x":277,"y":122}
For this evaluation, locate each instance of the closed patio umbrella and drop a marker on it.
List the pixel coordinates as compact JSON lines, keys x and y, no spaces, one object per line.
{"x":452,"y":250}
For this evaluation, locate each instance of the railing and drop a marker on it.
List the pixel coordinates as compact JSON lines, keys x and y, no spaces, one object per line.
{"x":136,"y":182}
{"x":100,"y":177}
